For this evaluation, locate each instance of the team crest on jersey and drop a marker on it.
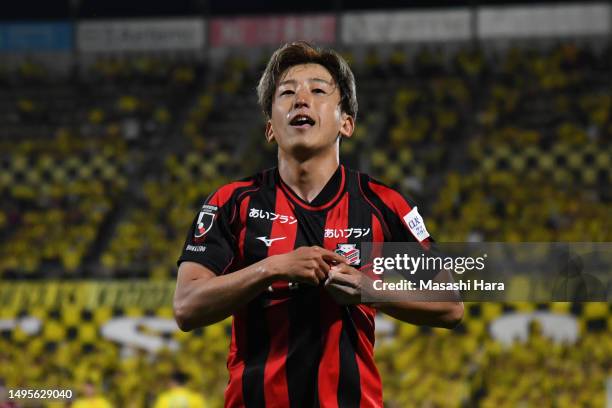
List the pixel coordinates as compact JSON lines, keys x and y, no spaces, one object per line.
{"x":350,"y":252}
{"x":205,"y":220}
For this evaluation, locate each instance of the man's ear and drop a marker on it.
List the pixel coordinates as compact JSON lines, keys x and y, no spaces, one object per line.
{"x":269,"y":132}
{"x":348,"y":125}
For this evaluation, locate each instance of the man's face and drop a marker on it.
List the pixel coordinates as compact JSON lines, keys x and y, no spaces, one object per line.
{"x":306,"y":113}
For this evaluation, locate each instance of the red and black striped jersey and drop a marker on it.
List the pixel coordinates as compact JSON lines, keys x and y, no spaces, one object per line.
{"x":293,"y":346}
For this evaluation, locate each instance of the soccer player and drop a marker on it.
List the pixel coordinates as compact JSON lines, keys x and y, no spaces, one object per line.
{"x":280,"y":251}
{"x":178,"y":395}
{"x":91,"y":398}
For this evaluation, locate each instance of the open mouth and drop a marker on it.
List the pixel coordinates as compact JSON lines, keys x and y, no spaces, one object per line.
{"x":302,"y":121}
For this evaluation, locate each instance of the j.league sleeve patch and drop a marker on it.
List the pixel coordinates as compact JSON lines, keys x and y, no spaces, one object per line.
{"x":205,"y":220}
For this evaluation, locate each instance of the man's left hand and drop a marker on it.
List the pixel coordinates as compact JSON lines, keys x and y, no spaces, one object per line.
{"x":344,"y":284}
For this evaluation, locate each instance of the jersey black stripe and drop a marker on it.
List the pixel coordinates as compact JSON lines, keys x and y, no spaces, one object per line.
{"x":349,"y":387}
{"x":305,"y":346}
{"x":359,"y":216}
{"x":258,"y":341}
{"x":258,"y":345}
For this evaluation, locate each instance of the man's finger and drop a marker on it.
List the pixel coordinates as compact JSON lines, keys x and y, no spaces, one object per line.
{"x":323,"y":269}
{"x":345,"y":269}
{"x":340,"y":279}
{"x":332,"y":256}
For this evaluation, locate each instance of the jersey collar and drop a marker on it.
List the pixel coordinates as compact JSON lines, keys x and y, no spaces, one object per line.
{"x":326,"y":198}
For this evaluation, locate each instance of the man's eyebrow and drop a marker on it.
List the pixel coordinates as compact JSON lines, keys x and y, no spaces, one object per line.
{"x":321,"y":80}
{"x":293,"y":81}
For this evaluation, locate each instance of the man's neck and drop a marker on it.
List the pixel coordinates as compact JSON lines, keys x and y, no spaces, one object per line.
{"x":307,"y":178}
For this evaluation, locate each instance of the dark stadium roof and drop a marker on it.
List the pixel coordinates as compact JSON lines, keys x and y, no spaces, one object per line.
{"x":64,"y":9}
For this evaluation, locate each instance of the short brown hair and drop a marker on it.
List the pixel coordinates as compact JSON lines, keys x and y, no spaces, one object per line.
{"x":301,"y":52}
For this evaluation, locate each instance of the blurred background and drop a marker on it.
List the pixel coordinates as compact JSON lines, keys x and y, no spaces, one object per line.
{"x":118,"y":118}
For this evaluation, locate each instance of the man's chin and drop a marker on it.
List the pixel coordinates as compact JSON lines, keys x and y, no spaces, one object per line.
{"x":302,"y":150}
{"x":305,"y":145}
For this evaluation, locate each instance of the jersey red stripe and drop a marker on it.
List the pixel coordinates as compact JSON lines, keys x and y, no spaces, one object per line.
{"x":282,"y":238}
{"x":371,"y":386}
{"x":378,"y":237}
{"x":244,"y":205}
{"x":280,"y":229}
{"x":235,"y":363}
{"x":275,"y":377}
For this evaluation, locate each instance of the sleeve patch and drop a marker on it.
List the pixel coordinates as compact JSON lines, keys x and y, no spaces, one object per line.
{"x":415,"y":224}
{"x":205,"y":220}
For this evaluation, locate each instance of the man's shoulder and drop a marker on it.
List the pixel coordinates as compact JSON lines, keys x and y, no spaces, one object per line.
{"x":237,"y":188}
{"x":370,"y":184}
{"x":382,"y":193}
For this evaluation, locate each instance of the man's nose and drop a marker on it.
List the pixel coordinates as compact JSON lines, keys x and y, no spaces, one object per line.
{"x":301,"y":99}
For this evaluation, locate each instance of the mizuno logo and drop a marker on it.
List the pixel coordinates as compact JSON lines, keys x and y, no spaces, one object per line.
{"x":269,"y":242}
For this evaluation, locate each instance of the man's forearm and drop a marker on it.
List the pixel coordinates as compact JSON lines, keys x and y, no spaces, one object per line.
{"x":436,"y":314}
{"x":206,"y":301}
{"x":415,"y":308}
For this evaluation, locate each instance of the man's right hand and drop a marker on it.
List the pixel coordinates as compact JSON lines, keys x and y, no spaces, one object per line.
{"x":305,"y":265}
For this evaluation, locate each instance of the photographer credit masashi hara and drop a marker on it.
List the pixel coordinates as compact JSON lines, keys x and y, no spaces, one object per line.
{"x":461,"y":285}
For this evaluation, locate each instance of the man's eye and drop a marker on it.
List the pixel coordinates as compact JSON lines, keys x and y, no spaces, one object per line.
{"x":318,"y":90}
{"x":287,"y":92}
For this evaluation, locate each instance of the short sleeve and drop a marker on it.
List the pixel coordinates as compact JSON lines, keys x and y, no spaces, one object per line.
{"x":403,"y":222}
{"x":210,"y":241}
{"x":401,"y":215}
